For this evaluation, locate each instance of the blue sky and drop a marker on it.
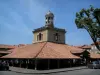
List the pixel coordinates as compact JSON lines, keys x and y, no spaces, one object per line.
{"x":19,"y":17}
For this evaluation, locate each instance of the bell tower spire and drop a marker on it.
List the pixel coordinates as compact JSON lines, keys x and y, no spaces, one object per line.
{"x":49,"y":17}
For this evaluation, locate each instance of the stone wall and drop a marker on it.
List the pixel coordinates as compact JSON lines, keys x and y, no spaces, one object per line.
{"x":51,"y":36}
{"x":44,"y":32}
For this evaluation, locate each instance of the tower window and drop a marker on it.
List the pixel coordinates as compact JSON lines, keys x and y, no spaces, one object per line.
{"x":48,"y":18}
{"x":56,"y":36}
{"x":39,"y":37}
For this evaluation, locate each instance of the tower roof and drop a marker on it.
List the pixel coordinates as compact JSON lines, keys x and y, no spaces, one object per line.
{"x":44,"y":28}
{"x":49,"y":13}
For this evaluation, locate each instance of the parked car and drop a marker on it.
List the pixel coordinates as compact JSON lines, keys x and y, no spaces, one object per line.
{"x":4,"y":66}
{"x":94,"y":65}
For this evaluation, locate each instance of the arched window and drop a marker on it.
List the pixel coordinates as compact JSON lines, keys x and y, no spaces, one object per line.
{"x":37,"y":37}
{"x":40,"y":37}
{"x":48,"y":18}
{"x":56,"y":36}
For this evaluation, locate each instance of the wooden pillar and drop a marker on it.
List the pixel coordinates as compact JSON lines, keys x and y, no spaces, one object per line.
{"x":27,"y":60}
{"x":35,"y":63}
{"x":58,"y":63}
{"x":26,"y":63}
{"x":32,"y":63}
{"x":20,"y":62}
{"x":70,"y":62}
{"x":12,"y":62}
{"x":48,"y":64}
{"x":7,"y":62}
{"x":81,"y":62}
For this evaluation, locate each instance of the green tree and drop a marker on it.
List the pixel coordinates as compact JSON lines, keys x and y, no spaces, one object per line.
{"x":89,"y":19}
{"x":86,"y":55}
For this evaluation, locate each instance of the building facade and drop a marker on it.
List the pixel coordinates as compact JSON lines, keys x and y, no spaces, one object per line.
{"x":48,"y":50}
{"x":94,"y":48}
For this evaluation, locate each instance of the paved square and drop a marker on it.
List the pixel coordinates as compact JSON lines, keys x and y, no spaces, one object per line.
{"x":75,"y":72}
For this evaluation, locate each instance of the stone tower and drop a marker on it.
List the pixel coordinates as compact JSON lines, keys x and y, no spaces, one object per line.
{"x":49,"y":33}
{"x":49,"y":17}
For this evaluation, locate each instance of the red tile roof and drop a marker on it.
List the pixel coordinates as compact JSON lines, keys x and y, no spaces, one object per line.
{"x":5,"y":52}
{"x":7,"y":46}
{"x":22,"y":44}
{"x":44,"y":50}
{"x":53,"y":50}
{"x":78,"y":46}
{"x":77,"y":50}
{"x":28,"y":51}
{"x":96,"y":42}
{"x":84,"y":47}
{"x":94,"y":55}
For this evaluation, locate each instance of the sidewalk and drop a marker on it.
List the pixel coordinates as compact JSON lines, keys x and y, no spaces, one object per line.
{"x":30,"y":71}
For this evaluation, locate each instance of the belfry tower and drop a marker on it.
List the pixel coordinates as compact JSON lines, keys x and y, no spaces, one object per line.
{"x":49,"y":17}
{"x":49,"y":33}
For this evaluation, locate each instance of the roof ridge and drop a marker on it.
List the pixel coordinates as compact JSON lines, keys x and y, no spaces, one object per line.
{"x":56,"y":51}
{"x":40,"y":50}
